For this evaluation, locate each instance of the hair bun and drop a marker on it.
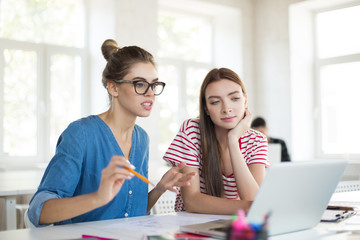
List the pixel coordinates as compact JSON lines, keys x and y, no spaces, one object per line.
{"x":108,"y":48}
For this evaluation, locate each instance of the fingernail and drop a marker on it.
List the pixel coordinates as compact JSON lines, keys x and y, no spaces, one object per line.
{"x":132,"y":166}
{"x":129,"y":177}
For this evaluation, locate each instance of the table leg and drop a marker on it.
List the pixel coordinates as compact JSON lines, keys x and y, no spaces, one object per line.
{"x":10,"y":211}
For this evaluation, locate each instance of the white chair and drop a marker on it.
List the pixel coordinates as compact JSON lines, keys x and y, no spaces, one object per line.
{"x":165,"y":204}
{"x":274,"y":153}
{"x":20,"y":212}
{"x":28,"y":223}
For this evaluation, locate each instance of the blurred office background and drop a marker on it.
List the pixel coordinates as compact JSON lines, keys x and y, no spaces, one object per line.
{"x":299,"y":59}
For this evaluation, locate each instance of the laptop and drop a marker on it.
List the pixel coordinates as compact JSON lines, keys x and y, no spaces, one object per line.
{"x":295,"y":194}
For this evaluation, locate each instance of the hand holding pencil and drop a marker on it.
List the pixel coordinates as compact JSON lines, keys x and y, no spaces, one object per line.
{"x":172,"y":178}
{"x":139,"y":176}
{"x":113,"y":177}
{"x":119,"y":169}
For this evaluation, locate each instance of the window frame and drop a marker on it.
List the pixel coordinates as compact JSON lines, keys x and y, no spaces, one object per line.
{"x":182,"y":65}
{"x":227,"y":46}
{"x":43,"y":53}
{"x":318,"y":64}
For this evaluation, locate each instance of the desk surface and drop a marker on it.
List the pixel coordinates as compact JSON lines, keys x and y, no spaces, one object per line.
{"x":137,"y":227}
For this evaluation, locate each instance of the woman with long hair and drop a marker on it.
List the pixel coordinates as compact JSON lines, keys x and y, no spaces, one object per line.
{"x":226,"y":156}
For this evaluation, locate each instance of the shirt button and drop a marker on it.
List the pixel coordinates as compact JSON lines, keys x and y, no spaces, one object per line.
{"x":126,"y":214}
{"x":130,"y":192}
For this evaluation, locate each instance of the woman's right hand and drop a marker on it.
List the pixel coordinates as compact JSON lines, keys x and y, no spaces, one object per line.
{"x":112,"y":179}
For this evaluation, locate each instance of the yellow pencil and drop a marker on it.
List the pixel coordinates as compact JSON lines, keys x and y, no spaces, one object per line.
{"x":139,"y":176}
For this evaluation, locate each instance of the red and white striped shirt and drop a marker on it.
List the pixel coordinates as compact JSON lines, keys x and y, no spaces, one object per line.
{"x":186,"y":148}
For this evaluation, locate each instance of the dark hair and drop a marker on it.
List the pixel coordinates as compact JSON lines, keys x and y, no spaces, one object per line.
{"x":258,"y":122}
{"x":120,"y":60}
{"x":210,"y":148}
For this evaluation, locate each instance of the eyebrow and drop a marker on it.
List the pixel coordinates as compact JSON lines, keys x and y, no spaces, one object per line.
{"x":231,"y":93}
{"x":143,"y":79}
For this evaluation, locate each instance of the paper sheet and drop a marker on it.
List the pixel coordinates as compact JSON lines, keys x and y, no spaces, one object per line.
{"x":161,"y":224}
{"x":354,"y":220}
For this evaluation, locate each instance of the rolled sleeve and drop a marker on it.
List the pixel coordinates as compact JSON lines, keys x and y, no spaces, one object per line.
{"x":36,"y":205}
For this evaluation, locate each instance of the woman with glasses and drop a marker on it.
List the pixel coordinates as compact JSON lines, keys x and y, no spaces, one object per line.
{"x":226,"y":156}
{"x":89,"y":177}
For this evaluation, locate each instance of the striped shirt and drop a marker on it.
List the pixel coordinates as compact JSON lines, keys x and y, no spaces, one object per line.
{"x":186,"y":148}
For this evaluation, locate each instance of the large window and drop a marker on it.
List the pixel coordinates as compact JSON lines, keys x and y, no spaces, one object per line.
{"x":338,"y":80}
{"x":194,"y":37}
{"x":185,"y":56}
{"x":41,"y":71}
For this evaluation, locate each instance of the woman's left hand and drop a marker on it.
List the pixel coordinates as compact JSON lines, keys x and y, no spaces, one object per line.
{"x":174,"y":178}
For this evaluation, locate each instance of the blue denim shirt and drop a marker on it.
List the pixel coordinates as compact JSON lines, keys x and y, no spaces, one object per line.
{"x":82,"y":151}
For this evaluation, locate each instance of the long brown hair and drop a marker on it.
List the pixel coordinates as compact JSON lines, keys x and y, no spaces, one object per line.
{"x":210,"y":148}
{"x":120,"y":60}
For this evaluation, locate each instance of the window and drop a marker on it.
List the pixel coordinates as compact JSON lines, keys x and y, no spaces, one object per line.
{"x":193,"y":38}
{"x":185,"y":57}
{"x":325,"y":57}
{"x":338,"y":80}
{"x":41,"y":71}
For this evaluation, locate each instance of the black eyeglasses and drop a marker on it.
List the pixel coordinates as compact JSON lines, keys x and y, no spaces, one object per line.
{"x":142,"y":86}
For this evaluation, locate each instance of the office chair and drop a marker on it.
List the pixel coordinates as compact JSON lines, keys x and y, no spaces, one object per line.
{"x":20,"y":211}
{"x":274,"y":153}
{"x":28,"y":223}
{"x":165,"y":204}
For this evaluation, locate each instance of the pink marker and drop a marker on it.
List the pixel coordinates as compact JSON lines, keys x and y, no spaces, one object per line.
{"x":240,"y":221}
{"x":240,"y":228}
{"x":97,"y":237}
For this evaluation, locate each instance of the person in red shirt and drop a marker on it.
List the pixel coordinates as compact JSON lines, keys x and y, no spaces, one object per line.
{"x":227,"y":157}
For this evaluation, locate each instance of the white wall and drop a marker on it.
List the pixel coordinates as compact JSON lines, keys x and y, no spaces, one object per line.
{"x":129,"y":22}
{"x":271,"y":66}
{"x":102,"y":25}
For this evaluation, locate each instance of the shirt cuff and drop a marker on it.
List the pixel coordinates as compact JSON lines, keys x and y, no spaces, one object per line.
{"x":36,"y":205}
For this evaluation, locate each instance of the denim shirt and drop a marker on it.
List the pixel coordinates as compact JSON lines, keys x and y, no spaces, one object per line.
{"x":83,"y":150}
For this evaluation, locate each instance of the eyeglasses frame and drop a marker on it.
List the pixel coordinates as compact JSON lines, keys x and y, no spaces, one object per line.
{"x":147,"y":89}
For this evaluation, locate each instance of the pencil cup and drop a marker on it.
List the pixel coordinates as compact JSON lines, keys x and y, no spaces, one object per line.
{"x":249,"y":233}
{"x":241,"y":230}
{"x":240,"y":234}
{"x":261,"y":232}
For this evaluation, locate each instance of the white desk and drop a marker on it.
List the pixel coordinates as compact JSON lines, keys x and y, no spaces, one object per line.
{"x":136,"y":228}
{"x":13,"y":184}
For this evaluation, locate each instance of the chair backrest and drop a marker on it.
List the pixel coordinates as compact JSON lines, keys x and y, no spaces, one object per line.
{"x":165,"y":204}
{"x":28,"y":223}
{"x":274,"y":153}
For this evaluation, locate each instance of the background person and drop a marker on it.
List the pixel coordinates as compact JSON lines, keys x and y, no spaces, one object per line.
{"x":259,"y":124}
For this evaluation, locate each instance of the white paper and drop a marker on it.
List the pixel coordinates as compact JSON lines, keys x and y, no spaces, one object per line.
{"x":162,"y":224}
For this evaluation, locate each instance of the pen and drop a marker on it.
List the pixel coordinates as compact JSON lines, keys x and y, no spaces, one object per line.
{"x":140,"y":176}
{"x":100,"y":238}
{"x":331,"y":207}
